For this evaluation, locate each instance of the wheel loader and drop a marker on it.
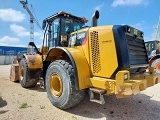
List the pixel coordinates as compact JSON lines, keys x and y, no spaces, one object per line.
{"x":153,"y":48}
{"x":26,"y":68}
{"x":79,"y":59}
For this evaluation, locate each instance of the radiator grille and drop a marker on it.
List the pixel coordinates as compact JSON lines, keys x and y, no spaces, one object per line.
{"x":137,"y":50}
{"x":95,"y":52}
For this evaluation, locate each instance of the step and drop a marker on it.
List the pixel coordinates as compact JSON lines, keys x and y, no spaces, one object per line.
{"x":93,"y":91}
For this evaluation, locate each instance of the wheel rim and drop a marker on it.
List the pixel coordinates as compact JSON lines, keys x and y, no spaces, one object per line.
{"x":21,"y":73}
{"x":55,"y":85}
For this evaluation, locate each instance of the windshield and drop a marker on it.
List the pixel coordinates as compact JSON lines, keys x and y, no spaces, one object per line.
{"x":62,"y":26}
{"x":70,"y":25}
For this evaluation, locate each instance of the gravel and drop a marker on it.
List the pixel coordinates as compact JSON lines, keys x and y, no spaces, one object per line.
{"x":17,"y":103}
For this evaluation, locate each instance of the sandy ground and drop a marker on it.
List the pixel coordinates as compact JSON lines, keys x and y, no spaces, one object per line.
{"x":144,"y":106}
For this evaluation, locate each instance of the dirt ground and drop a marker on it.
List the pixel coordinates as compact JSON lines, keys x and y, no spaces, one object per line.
{"x":14,"y":99}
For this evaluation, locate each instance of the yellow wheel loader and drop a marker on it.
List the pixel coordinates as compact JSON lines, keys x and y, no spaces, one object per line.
{"x":27,"y":68}
{"x":153,"y":48}
{"x":103,"y":60}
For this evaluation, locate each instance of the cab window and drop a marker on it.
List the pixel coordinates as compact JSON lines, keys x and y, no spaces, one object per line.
{"x":77,"y":39}
{"x":66,"y":26}
{"x":55,"y":33}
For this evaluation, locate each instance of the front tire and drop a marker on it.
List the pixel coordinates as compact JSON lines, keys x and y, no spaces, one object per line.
{"x":24,"y":75}
{"x":60,"y":85}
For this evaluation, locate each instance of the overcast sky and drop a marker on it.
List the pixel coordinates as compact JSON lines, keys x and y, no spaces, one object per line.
{"x":14,"y":20}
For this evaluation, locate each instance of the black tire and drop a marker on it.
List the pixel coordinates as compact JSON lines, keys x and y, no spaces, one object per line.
{"x":24,"y":75}
{"x":69,"y":96}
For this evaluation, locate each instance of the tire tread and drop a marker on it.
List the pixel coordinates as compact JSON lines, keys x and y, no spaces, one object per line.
{"x":26,"y":82}
{"x":75,"y":96}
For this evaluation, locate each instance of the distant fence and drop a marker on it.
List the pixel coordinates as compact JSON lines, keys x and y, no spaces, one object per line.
{"x":6,"y":60}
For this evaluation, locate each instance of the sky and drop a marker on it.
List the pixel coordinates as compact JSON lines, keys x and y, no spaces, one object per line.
{"x":15,"y":26}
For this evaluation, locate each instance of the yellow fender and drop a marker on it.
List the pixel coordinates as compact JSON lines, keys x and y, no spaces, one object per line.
{"x":78,"y":61}
{"x":34,"y":61}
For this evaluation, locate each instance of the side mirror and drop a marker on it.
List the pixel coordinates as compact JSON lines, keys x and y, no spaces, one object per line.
{"x":33,"y":45}
{"x":44,"y":24}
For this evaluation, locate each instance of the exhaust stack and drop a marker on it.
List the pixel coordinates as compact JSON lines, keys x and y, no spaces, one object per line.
{"x":95,"y":17}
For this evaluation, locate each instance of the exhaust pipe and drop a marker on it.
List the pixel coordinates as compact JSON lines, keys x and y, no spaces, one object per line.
{"x":95,"y":17}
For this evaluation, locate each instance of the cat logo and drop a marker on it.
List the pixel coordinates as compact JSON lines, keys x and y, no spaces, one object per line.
{"x":106,"y":41}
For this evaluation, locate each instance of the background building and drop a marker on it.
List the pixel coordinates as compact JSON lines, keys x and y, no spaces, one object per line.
{"x":8,"y":53}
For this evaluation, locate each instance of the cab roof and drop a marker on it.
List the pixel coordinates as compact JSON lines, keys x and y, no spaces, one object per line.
{"x":67,"y":15}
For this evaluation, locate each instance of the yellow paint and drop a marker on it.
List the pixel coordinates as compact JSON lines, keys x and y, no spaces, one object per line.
{"x":151,"y":70}
{"x":152,"y":79}
{"x":44,"y":50}
{"x":81,"y":63}
{"x":37,"y":64}
{"x":96,"y":61}
{"x":85,"y":47}
{"x":107,"y":51}
{"x":55,"y":84}
{"x":55,"y":54}
{"x":103,"y":56}
{"x":120,"y":87}
{"x":120,"y":76}
{"x":82,"y":66}
{"x":130,"y":88}
{"x":103,"y":83}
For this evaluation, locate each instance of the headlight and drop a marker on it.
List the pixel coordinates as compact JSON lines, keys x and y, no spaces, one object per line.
{"x":125,"y":76}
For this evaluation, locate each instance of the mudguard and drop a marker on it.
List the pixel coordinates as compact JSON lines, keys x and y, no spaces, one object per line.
{"x":34,"y":61}
{"x":78,"y":60}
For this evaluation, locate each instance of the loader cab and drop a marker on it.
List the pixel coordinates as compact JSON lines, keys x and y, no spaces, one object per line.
{"x":151,"y":46}
{"x":60,"y":26}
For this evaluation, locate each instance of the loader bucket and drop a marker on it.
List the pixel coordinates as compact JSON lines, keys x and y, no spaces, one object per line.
{"x":14,"y":71}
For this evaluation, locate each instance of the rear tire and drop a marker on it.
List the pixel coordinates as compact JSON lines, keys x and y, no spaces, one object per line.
{"x":24,"y":75}
{"x":60,"y":85}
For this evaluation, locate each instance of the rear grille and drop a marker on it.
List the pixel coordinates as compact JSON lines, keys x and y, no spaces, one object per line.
{"x":137,"y":50}
{"x":95,"y":52}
